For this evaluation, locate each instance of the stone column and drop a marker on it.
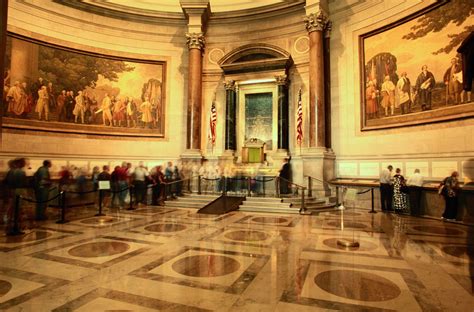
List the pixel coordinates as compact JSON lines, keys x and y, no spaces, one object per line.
{"x":3,"y":43}
{"x":195,"y":42}
{"x":230,"y":115}
{"x":315,"y":24}
{"x":24,"y":65}
{"x":327,"y":82}
{"x":283,"y":121}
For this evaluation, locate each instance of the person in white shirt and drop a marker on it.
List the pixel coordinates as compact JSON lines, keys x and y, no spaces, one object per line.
{"x":386,"y":189}
{"x":139,"y":183}
{"x":415,"y":184}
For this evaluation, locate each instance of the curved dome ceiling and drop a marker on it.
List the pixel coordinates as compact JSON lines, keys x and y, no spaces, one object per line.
{"x":151,"y":7}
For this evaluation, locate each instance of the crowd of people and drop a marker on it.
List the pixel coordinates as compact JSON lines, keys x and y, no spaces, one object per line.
{"x":402,"y":195}
{"x":115,"y":191}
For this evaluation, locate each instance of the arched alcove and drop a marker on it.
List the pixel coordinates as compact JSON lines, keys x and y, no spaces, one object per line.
{"x":255,"y":58}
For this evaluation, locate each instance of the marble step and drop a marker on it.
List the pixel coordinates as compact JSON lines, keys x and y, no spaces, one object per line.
{"x":265,"y":204}
{"x":269,"y":209}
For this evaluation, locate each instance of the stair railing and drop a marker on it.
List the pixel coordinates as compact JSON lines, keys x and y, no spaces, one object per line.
{"x":291,"y":185}
{"x":311,"y":181}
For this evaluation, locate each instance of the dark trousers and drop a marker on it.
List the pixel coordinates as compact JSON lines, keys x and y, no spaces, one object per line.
{"x":140,"y":192}
{"x":451,"y":208}
{"x":386,"y":196}
{"x":42,"y":194}
{"x":157,"y":194}
{"x":415,"y":200}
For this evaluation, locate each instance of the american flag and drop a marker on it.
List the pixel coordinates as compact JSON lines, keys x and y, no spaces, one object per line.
{"x":299,"y":120}
{"x":213,"y":122}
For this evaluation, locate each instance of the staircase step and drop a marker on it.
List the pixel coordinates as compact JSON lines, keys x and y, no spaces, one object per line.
{"x":268,"y":205}
{"x":264,"y":199}
{"x":269,"y":209}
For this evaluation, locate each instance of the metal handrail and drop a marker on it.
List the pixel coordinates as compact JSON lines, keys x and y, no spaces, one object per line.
{"x":303,"y":189}
{"x":310,"y":183}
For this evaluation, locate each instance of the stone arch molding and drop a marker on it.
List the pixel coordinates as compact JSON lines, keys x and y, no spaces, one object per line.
{"x":255,"y":57}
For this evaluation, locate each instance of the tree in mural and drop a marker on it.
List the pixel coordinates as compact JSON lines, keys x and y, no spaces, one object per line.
{"x":456,"y":12}
{"x":73,"y":71}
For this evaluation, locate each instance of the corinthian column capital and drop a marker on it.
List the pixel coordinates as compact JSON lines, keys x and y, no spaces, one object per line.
{"x":230,"y":85}
{"x":316,"y":21}
{"x":282,"y":80}
{"x":195,"y":40}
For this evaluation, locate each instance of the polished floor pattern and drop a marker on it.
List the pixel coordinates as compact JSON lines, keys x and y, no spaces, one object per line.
{"x":163,"y":259}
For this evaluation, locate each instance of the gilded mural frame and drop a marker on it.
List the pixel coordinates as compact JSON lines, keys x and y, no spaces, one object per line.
{"x":95,"y":130}
{"x":449,"y":113}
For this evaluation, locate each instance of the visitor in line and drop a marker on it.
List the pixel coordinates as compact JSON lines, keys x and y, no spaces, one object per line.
{"x":386,"y":189}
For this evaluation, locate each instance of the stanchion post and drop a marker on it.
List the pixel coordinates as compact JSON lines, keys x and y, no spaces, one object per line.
{"x":372,"y":203}
{"x":263,"y":187}
{"x":310,"y":187}
{"x":199,"y":185}
{"x":249,"y":191}
{"x":277,"y":186}
{"x":101,"y":198}
{"x":62,"y":200}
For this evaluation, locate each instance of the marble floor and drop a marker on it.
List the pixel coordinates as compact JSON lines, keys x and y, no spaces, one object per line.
{"x":166,"y":259}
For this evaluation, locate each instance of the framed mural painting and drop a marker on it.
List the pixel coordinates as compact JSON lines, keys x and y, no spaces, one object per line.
{"x":411,"y":72}
{"x":57,"y":89}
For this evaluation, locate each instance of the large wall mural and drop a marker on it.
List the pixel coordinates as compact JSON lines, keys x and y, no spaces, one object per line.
{"x":411,"y":72}
{"x":52,"y":88}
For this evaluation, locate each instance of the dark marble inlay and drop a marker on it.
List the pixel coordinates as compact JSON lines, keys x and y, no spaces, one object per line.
{"x":29,"y":237}
{"x":364,"y":245}
{"x":99,"y":249}
{"x":4,"y":287}
{"x":165,"y":227}
{"x":459,"y":251}
{"x":346,"y":213}
{"x":247,"y":235}
{"x":357,"y":285}
{"x":273,"y":220}
{"x":437,"y":230}
{"x":347,"y":224}
{"x":206,"y":266}
{"x":100,"y":220}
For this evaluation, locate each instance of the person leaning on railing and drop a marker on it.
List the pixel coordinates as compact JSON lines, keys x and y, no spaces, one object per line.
{"x":415,"y":185}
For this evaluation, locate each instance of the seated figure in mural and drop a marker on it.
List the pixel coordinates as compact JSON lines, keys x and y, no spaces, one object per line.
{"x":43,"y":103}
{"x":453,"y":81}
{"x":388,"y":95}
{"x":404,"y":88}
{"x":79,"y":108}
{"x":16,"y":100}
{"x":424,"y":86}
{"x":371,"y":100}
